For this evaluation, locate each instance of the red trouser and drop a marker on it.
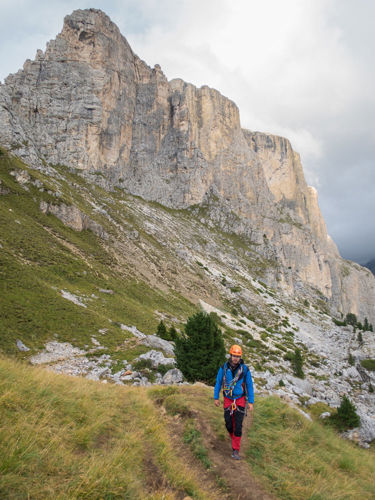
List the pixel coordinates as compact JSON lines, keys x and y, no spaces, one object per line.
{"x":233,"y":422}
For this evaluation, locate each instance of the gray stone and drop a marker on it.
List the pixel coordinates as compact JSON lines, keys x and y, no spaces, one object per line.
{"x":158,"y":343}
{"x":21,"y":346}
{"x":157,"y":358}
{"x":325,"y":415}
{"x":56,"y":351}
{"x":173,"y":376}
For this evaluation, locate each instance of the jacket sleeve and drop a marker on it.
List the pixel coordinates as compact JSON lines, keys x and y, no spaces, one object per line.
{"x":250,"y":388}
{"x":219,"y":383}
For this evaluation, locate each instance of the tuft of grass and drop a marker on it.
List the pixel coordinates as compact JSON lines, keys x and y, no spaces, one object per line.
{"x":369,"y":364}
{"x":193,"y":437}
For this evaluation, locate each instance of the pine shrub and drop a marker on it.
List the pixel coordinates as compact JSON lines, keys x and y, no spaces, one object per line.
{"x":200,"y":351}
{"x":297,"y":364}
{"x":172,"y":333}
{"x":346,"y":416}
{"x":162,"y":331}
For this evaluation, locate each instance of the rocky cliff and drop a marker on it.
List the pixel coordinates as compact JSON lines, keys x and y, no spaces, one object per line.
{"x":88,"y":102}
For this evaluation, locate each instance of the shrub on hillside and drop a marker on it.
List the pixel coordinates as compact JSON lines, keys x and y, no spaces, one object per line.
{"x":200,"y":351}
{"x":297,"y":364}
{"x":165,"y":334}
{"x":346,"y":416}
{"x":161,"y":330}
{"x":369,"y":364}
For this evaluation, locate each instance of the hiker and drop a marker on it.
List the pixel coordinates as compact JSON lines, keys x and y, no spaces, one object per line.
{"x":238,"y":391}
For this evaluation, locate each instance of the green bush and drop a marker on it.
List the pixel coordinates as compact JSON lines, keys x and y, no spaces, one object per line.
{"x":369,"y":364}
{"x":289,"y":356}
{"x":338,"y":322}
{"x":351,"y":319}
{"x":346,"y":416}
{"x":200,"y":351}
{"x":297,"y":364}
{"x":141,"y":364}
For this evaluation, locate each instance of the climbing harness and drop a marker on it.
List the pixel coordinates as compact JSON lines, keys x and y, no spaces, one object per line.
{"x":233,"y":407}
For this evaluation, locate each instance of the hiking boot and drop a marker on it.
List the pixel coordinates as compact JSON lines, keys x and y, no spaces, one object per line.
{"x":236,"y":455}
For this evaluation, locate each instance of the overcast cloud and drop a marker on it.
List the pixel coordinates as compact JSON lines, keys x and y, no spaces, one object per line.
{"x":302,"y":69}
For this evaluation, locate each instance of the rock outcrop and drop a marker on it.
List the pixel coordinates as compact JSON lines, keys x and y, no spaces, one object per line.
{"x":88,"y":102}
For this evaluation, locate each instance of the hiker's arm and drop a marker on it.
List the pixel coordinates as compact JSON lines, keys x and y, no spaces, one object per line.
{"x":250,"y":390}
{"x":219,"y":382}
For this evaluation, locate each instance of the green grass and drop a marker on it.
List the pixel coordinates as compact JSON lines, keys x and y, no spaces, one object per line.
{"x":71,"y":438}
{"x":302,"y":459}
{"x":65,"y":437}
{"x":369,"y":364}
{"x":193,"y":437}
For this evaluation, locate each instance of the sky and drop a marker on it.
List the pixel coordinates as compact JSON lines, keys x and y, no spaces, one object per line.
{"x":302,"y":69}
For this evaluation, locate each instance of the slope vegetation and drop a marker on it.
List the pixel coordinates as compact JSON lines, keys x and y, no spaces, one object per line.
{"x":64,"y":437}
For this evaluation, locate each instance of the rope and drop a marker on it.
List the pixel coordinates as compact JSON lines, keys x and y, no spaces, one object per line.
{"x":228,"y":388}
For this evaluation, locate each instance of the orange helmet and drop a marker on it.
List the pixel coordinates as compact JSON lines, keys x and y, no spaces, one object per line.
{"x":235,"y":350}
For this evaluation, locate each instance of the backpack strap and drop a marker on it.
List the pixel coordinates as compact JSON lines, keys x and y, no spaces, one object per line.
{"x":244,"y":386}
{"x":228,"y":387}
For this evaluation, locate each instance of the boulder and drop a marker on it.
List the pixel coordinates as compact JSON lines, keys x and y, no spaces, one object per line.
{"x":158,"y":343}
{"x":157,"y":358}
{"x":173,"y":376}
{"x":324,"y":415}
{"x":21,"y":346}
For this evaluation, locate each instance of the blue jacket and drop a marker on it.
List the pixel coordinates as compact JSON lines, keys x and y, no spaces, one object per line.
{"x":237,"y":390}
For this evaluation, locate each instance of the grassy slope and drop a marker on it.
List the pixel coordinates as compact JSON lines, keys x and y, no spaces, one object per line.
{"x":40,"y":256}
{"x":62,"y":437}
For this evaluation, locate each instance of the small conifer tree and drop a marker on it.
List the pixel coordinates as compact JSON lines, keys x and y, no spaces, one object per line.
{"x":297,"y":364}
{"x":346,"y":416}
{"x":366,"y":325}
{"x":200,"y":351}
{"x":360,"y":338}
{"x":351,"y":359}
{"x":162,"y":331}
{"x":351,"y":319}
{"x":172,"y":333}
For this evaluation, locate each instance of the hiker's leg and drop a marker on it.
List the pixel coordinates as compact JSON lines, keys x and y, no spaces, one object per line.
{"x":238,"y":420}
{"x":228,"y":421}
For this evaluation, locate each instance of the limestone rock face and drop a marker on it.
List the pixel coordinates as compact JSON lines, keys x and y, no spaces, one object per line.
{"x":88,"y":102}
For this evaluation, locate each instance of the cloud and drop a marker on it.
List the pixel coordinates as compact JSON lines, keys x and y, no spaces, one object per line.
{"x":298,"y":68}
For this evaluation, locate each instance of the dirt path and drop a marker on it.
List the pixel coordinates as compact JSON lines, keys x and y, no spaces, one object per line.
{"x":240,"y":484}
{"x":237,"y":474}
